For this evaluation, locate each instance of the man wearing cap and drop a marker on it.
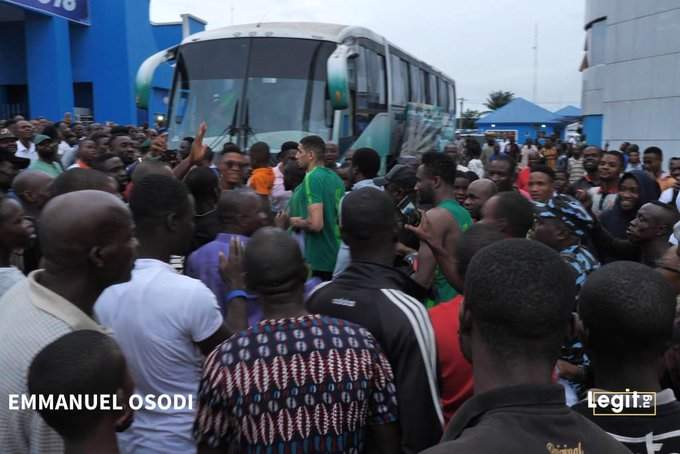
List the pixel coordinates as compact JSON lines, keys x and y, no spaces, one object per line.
{"x":561,"y":223}
{"x":25,"y":145}
{"x":8,"y":141}
{"x":398,"y":182}
{"x":10,"y":164}
{"x":47,"y":161}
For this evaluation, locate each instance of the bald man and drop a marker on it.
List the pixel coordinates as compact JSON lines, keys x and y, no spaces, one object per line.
{"x":275,"y":270}
{"x":83,"y":179}
{"x":32,"y":190}
{"x":647,"y":233}
{"x":88,"y":245}
{"x":240,"y":213}
{"x":478,"y":193}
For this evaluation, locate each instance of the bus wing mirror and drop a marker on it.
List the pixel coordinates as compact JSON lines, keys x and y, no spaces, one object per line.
{"x":146,"y":72}
{"x":338,"y":76}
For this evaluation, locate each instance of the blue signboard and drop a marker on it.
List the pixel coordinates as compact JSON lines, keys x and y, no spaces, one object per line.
{"x":73,"y":10}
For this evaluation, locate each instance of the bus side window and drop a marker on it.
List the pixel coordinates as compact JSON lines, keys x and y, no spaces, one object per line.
{"x":452,"y":98}
{"x":400,"y":86}
{"x":425,"y":81}
{"x":432,"y":82}
{"x":417,"y":85}
{"x":443,"y":94}
{"x":371,"y":88}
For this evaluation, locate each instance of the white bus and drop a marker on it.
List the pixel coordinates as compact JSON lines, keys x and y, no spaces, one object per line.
{"x":275,"y":82}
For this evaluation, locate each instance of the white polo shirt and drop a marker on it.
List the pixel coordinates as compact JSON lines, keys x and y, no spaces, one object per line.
{"x":157,"y":318}
{"x":31,"y":317}
{"x":28,"y":153}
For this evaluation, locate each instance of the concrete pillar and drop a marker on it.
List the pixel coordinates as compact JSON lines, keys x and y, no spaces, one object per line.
{"x":48,"y":66}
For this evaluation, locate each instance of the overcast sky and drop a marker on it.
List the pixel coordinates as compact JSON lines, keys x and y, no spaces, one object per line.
{"x":484,"y":45}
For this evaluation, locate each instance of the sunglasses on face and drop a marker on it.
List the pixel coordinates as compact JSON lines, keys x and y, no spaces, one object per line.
{"x":234,"y":164}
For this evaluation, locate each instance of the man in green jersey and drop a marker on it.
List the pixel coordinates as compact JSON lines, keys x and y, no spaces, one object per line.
{"x":436,"y":176}
{"x":321,"y":192}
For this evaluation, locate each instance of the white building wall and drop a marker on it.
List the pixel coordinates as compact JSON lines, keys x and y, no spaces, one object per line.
{"x":637,"y":89}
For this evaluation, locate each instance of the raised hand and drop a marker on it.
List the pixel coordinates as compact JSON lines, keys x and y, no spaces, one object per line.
{"x":198,"y":150}
{"x":231,"y":267}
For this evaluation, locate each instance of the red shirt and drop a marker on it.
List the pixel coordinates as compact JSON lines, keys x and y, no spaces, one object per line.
{"x":455,"y":373}
{"x":522,"y":181}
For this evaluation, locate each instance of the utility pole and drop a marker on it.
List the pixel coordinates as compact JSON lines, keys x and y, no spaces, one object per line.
{"x":460,"y":116}
{"x":535,"y":90}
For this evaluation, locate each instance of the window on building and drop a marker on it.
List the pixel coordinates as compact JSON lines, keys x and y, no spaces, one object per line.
{"x":597,"y":41}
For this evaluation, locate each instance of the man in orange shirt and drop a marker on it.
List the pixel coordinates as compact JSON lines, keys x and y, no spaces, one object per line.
{"x":262,"y":178}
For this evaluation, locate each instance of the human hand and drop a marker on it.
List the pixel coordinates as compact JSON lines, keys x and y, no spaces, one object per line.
{"x":297,"y":222}
{"x":282,"y":220}
{"x":198,"y":150}
{"x":676,"y":185}
{"x":569,"y":371}
{"x":403,"y":250}
{"x":585,"y":199}
{"x":231,"y":267}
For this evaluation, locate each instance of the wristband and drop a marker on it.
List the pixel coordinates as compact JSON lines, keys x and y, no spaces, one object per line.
{"x":236,"y":294}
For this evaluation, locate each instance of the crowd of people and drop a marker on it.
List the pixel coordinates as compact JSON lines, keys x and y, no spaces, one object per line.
{"x":307,"y":302}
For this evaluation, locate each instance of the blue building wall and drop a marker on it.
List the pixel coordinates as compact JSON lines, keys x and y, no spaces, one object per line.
{"x":13,"y":69}
{"x":524,"y":130}
{"x":12,"y":53}
{"x":50,"y":55}
{"x":48,"y":62}
{"x":592,"y":128}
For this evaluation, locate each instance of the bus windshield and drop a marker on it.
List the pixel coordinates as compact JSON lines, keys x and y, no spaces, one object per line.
{"x":251,"y":89}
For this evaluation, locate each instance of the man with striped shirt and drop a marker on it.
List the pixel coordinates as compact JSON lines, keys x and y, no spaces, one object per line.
{"x":375,"y":295}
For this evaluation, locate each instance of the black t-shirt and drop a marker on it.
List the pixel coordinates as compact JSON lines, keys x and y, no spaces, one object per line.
{"x":377,"y":298}
{"x":206,"y":228}
{"x":658,"y":434}
{"x":523,"y":419}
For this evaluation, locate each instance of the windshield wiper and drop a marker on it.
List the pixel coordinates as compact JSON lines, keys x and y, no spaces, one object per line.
{"x":230,"y":130}
{"x":246,"y":126}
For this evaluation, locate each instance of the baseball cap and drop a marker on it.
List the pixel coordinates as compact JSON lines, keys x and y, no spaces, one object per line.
{"x":17,"y":162}
{"x":40,"y":138}
{"x":5,"y":133}
{"x":400,"y":174}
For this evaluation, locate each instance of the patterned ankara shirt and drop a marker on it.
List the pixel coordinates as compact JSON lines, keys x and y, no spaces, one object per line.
{"x":581,"y":261}
{"x":303,"y":385}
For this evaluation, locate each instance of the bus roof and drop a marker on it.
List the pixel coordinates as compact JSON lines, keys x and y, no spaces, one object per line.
{"x":304,"y":30}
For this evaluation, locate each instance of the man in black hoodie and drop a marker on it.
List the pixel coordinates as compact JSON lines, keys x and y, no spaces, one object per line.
{"x":383,"y":300}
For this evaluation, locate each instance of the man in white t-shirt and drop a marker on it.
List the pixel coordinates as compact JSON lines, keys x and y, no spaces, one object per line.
{"x":164,"y":322}
{"x":25,"y":146}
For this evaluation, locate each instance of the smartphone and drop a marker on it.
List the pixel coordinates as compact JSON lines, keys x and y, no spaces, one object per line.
{"x":409,"y":212}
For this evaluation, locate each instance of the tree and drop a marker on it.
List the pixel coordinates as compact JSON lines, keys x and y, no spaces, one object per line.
{"x":468,"y":119}
{"x":498,"y":99}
